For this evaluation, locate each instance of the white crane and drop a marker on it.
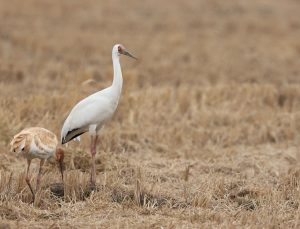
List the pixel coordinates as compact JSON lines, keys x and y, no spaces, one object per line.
{"x":91,"y":113}
{"x":36,"y":142}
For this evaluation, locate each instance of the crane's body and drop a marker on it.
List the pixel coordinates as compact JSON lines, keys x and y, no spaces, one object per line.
{"x":36,"y":142}
{"x":91,"y":113}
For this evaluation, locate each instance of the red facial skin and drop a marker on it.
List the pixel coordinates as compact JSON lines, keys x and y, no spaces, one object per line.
{"x":121,"y":49}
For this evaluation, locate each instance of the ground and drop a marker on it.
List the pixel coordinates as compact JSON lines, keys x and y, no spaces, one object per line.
{"x":207,"y":131}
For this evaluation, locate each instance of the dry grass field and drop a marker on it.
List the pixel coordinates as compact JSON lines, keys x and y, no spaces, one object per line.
{"x":207,"y":133}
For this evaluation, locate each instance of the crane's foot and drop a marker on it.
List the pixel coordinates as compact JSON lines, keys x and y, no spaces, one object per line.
{"x":92,"y":185}
{"x":33,"y":200}
{"x":89,"y":189}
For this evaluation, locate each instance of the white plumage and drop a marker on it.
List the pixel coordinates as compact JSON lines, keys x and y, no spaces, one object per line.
{"x":91,"y":113}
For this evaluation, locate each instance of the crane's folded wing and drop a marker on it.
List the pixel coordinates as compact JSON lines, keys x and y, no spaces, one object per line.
{"x":73,"y":134}
{"x":85,"y":113}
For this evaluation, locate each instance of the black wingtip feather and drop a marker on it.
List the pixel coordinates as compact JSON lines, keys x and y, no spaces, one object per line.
{"x":72,"y":134}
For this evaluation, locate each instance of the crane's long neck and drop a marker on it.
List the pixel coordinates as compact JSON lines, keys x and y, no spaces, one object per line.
{"x":118,"y":79}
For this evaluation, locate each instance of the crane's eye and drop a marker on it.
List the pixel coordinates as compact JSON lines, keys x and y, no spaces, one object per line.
{"x":23,"y":148}
{"x":120,"y":50}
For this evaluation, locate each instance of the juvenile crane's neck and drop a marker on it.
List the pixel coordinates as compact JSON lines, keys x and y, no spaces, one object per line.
{"x":118,"y":79}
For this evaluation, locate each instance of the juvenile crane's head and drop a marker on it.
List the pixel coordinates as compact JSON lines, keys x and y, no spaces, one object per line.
{"x":60,"y":155}
{"x":119,"y":49}
{"x":19,"y":144}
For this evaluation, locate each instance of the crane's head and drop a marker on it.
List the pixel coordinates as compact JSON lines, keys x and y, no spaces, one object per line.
{"x":19,"y":144}
{"x":119,"y":49}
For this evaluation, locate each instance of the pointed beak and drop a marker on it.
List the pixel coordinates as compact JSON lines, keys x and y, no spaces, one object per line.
{"x":130,"y":55}
{"x":61,"y":168}
{"x":60,"y":159}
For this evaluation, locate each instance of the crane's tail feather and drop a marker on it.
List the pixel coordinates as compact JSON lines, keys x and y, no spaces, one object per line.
{"x":75,"y":133}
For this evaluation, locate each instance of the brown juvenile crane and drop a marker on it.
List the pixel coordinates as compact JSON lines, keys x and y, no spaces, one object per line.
{"x":37,"y":142}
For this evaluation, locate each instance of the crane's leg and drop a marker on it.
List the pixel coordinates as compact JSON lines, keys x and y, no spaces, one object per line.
{"x":38,"y":180}
{"x":94,"y":140}
{"x":27,"y":179}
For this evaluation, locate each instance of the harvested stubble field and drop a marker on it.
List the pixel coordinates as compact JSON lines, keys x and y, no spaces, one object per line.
{"x":207,"y":132}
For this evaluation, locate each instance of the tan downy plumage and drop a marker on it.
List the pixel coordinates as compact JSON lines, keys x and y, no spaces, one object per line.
{"x":36,"y":142}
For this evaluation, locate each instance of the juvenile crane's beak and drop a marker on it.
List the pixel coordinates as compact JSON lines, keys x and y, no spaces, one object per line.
{"x":60,"y":159}
{"x":130,"y":55}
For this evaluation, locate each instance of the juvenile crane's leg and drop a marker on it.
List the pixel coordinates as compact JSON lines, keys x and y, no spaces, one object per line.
{"x":38,"y":179}
{"x":93,"y":153}
{"x":27,"y":179}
